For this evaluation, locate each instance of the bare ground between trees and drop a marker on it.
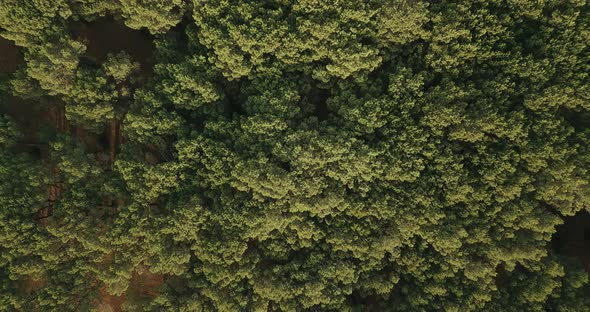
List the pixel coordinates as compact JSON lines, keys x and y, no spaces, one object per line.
{"x":102,"y":37}
{"x":9,"y":56}
{"x":143,"y":285}
{"x":572,"y":238}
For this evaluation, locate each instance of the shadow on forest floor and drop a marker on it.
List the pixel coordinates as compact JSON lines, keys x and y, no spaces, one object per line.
{"x":10,"y":57}
{"x":106,"y":36}
{"x":31,"y":117}
{"x":572,"y":238}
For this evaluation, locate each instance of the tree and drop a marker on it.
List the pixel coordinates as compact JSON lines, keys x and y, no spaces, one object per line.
{"x":319,"y":39}
{"x":156,"y":16}
{"x":291,"y":155}
{"x":100,"y":95}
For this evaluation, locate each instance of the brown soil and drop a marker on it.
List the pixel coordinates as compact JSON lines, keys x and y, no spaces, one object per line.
{"x":30,"y":285}
{"x":28,"y":115}
{"x":108,"y":302}
{"x":573,"y":238}
{"x":9,"y":56}
{"x":142,"y":285}
{"x":145,"y":284}
{"x":110,"y":36}
{"x":101,"y":37}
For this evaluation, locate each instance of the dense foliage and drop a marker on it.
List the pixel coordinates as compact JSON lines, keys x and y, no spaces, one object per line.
{"x":296,"y":155}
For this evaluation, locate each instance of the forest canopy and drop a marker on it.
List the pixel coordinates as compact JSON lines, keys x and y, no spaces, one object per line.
{"x":294,"y":155}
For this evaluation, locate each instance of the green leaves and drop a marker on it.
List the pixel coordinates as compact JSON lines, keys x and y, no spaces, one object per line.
{"x":325,"y":40}
{"x":154,"y":15}
{"x":296,"y":155}
{"x":53,"y":63}
{"x":8,"y":132}
{"x":189,"y":84}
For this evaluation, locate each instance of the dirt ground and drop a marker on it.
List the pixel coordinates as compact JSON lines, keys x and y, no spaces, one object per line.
{"x":101,"y":37}
{"x":143,"y":284}
{"x":110,"y":36}
{"x":108,"y":302}
{"x":29,"y":285}
{"x":9,"y":56}
{"x":573,"y":238}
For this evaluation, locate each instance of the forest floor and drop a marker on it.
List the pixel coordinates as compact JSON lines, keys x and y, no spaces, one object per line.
{"x":573,"y":238}
{"x":9,"y":56}
{"x":110,"y":36}
{"x":143,"y":285}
